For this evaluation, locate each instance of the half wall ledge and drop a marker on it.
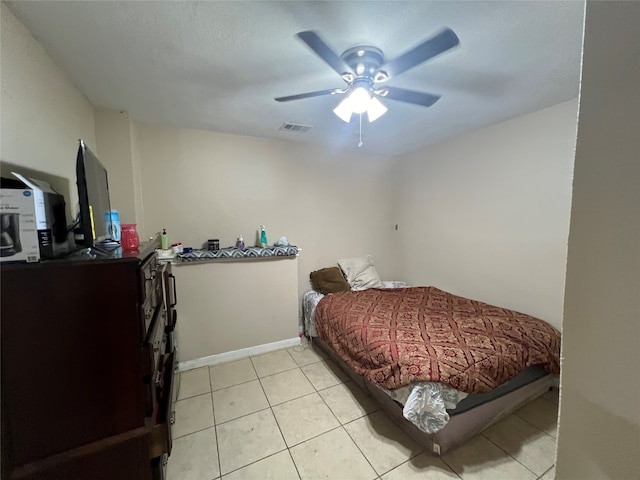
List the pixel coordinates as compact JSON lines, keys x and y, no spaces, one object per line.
{"x":232,"y":253}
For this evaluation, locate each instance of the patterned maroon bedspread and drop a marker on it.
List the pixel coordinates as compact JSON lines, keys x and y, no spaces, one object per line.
{"x":394,"y":337}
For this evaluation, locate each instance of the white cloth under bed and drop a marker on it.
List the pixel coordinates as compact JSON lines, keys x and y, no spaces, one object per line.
{"x":424,"y":404}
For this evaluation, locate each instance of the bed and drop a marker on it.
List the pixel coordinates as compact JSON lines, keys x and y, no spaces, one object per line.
{"x":444,"y":367}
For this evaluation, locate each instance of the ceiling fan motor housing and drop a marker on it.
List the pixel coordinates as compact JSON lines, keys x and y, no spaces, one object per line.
{"x":364,"y":61}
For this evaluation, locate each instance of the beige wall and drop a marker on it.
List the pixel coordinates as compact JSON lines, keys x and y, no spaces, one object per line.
{"x":226,"y":305}
{"x":201,"y":185}
{"x":599,"y":432}
{"x":486,"y":215}
{"x":114,"y":139}
{"x":42,"y":114}
{"x":136,"y":172}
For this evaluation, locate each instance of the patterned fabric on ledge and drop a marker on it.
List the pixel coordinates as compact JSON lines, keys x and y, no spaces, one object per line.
{"x":232,"y":252}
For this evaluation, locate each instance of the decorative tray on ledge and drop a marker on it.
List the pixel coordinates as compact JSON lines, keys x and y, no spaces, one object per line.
{"x":232,"y":252}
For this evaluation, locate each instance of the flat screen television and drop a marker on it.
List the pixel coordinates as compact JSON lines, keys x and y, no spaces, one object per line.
{"x":94,"y":227}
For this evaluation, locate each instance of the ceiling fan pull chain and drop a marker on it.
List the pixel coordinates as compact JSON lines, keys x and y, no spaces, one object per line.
{"x":360,"y":142}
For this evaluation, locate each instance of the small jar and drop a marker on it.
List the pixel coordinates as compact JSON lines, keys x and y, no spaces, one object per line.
{"x":213,"y":244}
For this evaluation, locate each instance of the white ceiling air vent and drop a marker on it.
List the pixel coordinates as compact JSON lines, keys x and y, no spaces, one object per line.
{"x":295,"y":127}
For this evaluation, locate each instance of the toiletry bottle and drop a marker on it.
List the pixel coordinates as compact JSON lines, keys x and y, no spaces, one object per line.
{"x":240,"y":243}
{"x":164,"y":239}
{"x":263,"y":237}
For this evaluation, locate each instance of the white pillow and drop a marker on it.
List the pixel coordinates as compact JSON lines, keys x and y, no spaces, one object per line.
{"x":360,"y":273}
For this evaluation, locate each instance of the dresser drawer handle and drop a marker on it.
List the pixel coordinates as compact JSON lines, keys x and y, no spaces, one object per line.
{"x":175,"y":292}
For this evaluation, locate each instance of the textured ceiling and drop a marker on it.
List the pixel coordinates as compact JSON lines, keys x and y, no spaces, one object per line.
{"x":218,"y":65}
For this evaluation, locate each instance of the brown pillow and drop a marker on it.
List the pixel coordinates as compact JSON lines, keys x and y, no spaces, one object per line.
{"x":328,"y":280}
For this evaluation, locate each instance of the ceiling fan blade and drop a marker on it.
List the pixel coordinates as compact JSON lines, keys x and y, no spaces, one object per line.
{"x":315,"y":43}
{"x":308,"y":95}
{"x":442,"y":42}
{"x":410,"y":96}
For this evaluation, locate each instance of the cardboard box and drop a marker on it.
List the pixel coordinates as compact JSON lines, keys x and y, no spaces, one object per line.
{"x":18,"y":232}
{"x":51,"y":221}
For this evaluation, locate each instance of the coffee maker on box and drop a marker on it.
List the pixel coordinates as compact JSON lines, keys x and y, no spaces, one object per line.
{"x":33,"y":222}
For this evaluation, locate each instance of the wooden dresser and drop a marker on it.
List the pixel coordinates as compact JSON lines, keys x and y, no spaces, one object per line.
{"x":88,"y":364}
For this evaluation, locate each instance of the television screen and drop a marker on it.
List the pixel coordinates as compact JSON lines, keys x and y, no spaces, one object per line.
{"x":93,"y":196}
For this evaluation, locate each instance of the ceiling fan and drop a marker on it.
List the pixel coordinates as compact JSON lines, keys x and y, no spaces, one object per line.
{"x":365,"y":71}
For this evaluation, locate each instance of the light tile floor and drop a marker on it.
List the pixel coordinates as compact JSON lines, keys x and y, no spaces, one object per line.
{"x":293,"y":414}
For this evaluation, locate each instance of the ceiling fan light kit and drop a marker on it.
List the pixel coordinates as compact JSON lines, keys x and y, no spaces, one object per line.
{"x":364,"y":66}
{"x":375,"y":109}
{"x":344,"y":110}
{"x":361,"y":99}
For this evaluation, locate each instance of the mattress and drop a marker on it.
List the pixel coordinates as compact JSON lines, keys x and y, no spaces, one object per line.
{"x":425,"y":404}
{"x":430,"y":405}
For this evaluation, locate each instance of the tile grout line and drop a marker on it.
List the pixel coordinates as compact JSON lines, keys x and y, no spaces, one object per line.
{"x":361,"y":452}
{"x":420,"y":452}
{"x":547,"y":471}
{"x":262,"y":354}
{"x":242,"y":383}
{"x":243,"y":416}
{"x":254,"y":462}
{"x":276,"y":419}
{"x":441,"y":457}
{"x":215,"y":427}
{"x":234,"y":385}
{"x":316,"y":392}
{"x":518,"y":461}
{"x":292,"y":399}
{"x":340,"y":423}
{"x":195,"y":431}
{"x":201,"y":429}
{"x":294,"y":463}
{"x":276,"y":373}
{"x":312,"y":438}
{"x":340,"y":382}
{"x":192,"y":396}
{"x":278,"y":404}
{"x":535,"y":426}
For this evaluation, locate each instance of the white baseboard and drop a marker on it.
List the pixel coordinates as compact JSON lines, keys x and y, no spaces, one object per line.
{"x":236,"y":354}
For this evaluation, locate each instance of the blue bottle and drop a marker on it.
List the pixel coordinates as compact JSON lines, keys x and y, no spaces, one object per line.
{"x":112,"y":220}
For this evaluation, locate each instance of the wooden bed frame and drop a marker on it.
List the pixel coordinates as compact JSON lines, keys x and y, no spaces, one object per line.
{"x":461,"y":427}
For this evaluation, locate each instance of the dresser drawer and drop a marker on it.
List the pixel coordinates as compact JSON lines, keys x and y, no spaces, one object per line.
{"x":154,"y":347}
{"x":151,"y":294}
{"x":164,"y":412}
{"x":150,"y":278}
